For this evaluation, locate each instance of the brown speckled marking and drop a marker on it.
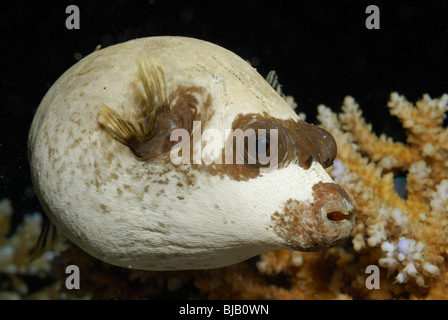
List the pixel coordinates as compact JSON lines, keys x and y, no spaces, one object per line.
{"x":70,"y":132}
{"x":241,"y":78}
{"x":303,"y":225}
{"x":114,"y":176}
{"x":183,"y":176}
{"x":165,"y":181}
{"x":104,"y":208}
{"x":97,"y":183}
{"x":109,"y":156}
{"x":76,"y":142}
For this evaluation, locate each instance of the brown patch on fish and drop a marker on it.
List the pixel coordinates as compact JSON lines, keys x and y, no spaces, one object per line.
{"x":181,"y":114}
{"x":310,"y":227}
{"x":104,"y":208}
{"x":114,"y":176}
{"x":298,"y":142}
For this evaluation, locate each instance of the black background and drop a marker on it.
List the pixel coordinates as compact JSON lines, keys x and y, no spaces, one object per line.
{"x":321,"y":50}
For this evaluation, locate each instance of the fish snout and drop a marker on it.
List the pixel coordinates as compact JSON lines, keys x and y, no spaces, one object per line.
{"x":338,"y":209}
{"x":334,"y":213}
{"x":325,"y":222}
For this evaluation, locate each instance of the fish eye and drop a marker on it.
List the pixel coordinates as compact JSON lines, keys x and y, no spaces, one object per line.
{"x":262,"y":144}
{"x":257,"y":147}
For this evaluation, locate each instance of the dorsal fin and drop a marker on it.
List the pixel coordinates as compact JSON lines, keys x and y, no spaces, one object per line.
{"x":272,"y":79}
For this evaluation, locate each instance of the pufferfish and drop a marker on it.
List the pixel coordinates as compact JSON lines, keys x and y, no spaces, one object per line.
{"x":101,"y":149}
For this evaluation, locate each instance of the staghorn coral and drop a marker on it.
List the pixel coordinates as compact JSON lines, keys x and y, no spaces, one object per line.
{"x":405,"y":235}
{"x":17,"y":274}
{"x":410,"y":232}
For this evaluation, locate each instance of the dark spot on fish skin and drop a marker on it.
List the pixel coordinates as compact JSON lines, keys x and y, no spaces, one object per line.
{"x":104,"y":208}
{"x":146,"y":189}
{"x":70,"y":132}
{"x":114,"y":176}
{"x":166,"y":181}
{"x":180,"y":197}
{"x":97,"y":183}
{"x":109,"y":156}
{"x":126,"y":186}
{"x":51,"y":152}
{"x":119,"y":191}
{"x":179,"y":184}
{"x":76,"y":142}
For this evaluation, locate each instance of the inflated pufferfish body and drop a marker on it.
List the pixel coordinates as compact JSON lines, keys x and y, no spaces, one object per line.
{"x":103,"y":145}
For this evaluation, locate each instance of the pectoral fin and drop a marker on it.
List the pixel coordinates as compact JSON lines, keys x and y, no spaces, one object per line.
{"x":129,"y":131}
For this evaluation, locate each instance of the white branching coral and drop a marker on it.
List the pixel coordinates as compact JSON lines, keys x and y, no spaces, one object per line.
{"x":411,"y":231}
{"x":405,"y":255}
{"x":15,"y":252}
{"x":439,"y":199}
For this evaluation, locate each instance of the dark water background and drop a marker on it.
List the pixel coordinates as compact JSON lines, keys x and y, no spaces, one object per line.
{"x":321,"y":51}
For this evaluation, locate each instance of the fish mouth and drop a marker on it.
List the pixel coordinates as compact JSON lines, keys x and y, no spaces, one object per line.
{"x":339,"y":215}
{"x":337,"y":211}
